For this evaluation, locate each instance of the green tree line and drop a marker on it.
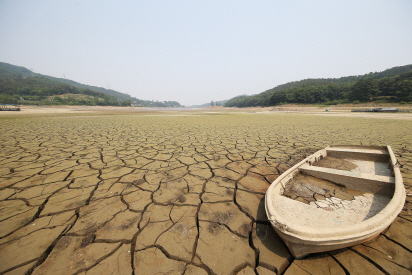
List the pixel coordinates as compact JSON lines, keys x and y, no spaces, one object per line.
{"x":8,"y":71}
{"x":389,"y":85}
{"x":41,"y":90}
{"x":390,"y":89}
{"x":20,"y":85}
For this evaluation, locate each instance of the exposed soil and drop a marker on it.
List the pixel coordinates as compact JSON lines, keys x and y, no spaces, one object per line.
{"x":307,"y":189}
{"x":106,"y":190}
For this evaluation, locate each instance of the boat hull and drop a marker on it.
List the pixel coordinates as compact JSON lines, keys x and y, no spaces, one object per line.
{"x":304,"y":239}
{"x":300,"y":248}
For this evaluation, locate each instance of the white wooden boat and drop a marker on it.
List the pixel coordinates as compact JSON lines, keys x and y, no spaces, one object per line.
{"x":338,"y":197}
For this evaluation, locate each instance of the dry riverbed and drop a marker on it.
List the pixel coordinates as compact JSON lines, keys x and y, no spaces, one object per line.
{"x":131,"y":191}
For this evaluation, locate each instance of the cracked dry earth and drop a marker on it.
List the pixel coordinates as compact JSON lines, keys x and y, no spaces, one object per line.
{"x":161,"y":193}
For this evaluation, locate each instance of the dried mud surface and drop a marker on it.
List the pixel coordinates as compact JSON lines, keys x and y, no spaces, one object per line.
{"x":306,"y":189}
{"x":158,"y":192}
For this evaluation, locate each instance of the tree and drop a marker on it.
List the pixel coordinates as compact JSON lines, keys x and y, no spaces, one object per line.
{"x":405,"y":90}
{"x":386,"y":86}
{"x":57,"y":99}
{"x":126,"y":102}
{"x":211,"y":103}
{"x":364,"y":90}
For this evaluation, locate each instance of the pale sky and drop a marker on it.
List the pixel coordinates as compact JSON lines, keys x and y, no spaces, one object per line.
{"x":197,"y":51}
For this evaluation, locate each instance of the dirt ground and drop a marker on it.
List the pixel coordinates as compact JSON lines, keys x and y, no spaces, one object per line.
{"x":106,"y":190}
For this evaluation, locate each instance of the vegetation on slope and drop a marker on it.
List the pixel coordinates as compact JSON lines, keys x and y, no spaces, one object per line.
{"x":41,"y":90}
{"x":392,"y":85}
{"x":20,"y":85}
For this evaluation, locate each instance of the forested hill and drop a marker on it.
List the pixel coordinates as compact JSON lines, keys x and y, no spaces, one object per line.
{"x":8,"y":71}
{"x":390,"y":85}
{"x":18,"y":84}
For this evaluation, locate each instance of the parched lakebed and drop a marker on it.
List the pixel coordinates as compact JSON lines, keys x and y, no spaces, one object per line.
{"x":150,"y":192}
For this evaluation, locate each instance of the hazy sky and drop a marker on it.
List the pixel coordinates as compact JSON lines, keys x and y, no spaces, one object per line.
{"x":197,"y":51}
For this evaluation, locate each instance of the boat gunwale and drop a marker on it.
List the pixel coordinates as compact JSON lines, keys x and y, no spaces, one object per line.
{"x":347,"y":233}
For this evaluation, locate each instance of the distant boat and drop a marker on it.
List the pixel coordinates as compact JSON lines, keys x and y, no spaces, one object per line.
{"x":9,"y":107}
{"x":377,"y":110}
{"x":385,"y":110}
{"x":338,"y":197}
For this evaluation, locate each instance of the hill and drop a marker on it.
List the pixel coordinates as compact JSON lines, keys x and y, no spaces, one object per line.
{"x":8,"y":71}
{"x":389,"y":83}
{"x":219,"y":103}
{"x":19,"y":84}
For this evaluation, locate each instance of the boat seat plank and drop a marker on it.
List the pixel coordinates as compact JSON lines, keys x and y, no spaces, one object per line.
{"x":362,"y":182}
{"x":359,"y":154}
{"x":365,"y":147}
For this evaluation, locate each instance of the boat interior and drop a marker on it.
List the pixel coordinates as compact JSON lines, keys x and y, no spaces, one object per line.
{"x":339,"y":185}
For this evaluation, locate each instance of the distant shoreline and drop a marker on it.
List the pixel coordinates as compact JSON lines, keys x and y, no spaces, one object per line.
{"x":284,"y":109}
